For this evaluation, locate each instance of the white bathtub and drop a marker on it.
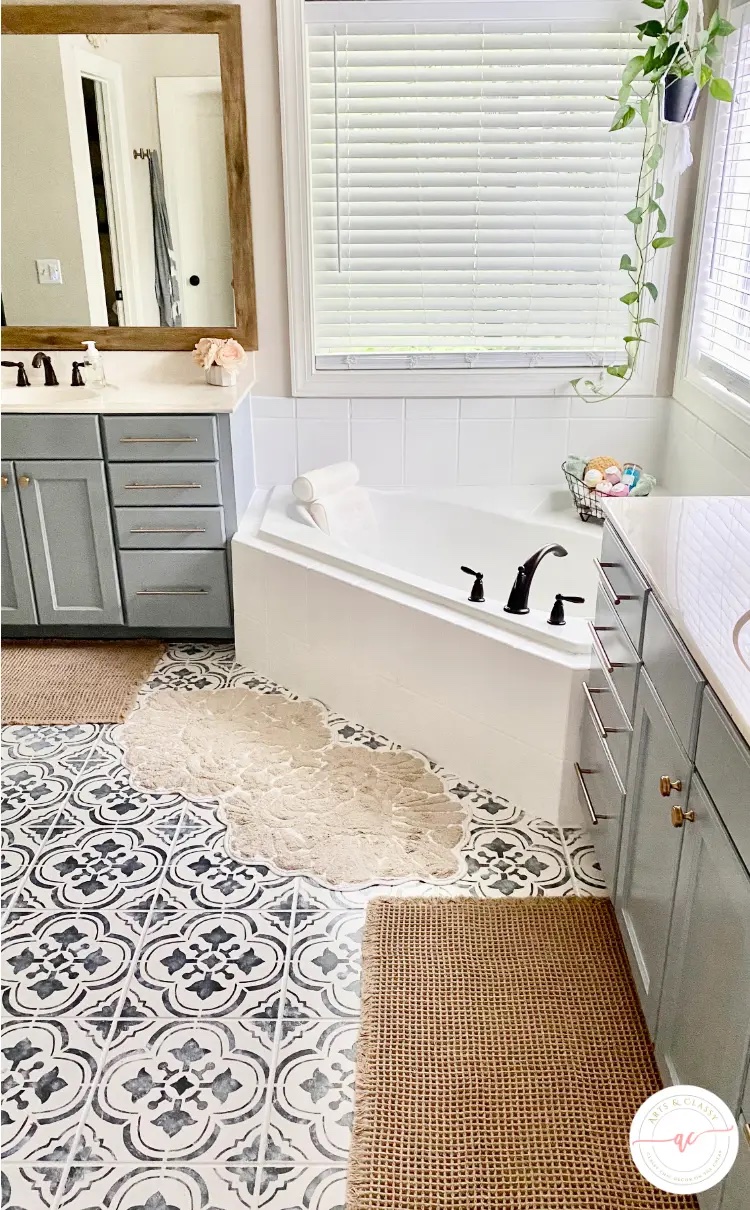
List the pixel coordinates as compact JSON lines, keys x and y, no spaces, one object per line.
{"x":379,"y":627}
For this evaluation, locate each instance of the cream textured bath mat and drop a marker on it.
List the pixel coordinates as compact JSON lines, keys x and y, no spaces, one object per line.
{"x":74,"y":682}
{"x":292,"y":794}
{"x":501,"y":1057}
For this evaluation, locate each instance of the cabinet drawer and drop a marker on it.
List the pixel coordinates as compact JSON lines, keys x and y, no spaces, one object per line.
{"x":674,"y":675}
{"x":614,"y":654}
{"x":170,"y":528}
{"x":160,"y":438}
{"x":138,"y":483}
{"x":601,"y":794}
{"x":605,"y":714}
{"x":43,"y":437}
{"x":174,"y":589}
{"x":723,"y":761}
{"x":623,"y":586}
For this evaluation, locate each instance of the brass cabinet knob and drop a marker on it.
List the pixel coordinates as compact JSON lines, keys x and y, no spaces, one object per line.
{"x":4,"y":480}
{"x":668,"y":784}
{"x":679,"y":817}
{"x":24,"y":480}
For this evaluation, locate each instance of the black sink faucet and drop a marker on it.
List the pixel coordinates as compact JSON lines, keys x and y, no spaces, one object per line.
{"x":43,"y":359}
{"x":518,"y":601}
{"x":22,"y":378}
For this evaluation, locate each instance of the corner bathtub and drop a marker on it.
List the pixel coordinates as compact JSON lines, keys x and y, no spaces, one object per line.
{"x":378,"y":626}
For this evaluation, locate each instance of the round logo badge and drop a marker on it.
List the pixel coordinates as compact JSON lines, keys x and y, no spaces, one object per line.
{"x":684,"y":1139}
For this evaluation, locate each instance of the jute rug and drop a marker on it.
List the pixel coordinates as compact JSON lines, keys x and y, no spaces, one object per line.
{"x":501,"y":1057}
{"x":76,"y":682}
{"x":292,"y":794}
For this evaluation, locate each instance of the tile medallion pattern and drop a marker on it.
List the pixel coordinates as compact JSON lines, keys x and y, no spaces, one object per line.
{"x":180,"y":1028}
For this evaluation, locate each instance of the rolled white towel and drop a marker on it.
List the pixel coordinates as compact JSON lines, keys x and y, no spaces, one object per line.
{"x":325,"y":481}
{"x":345,"y":514}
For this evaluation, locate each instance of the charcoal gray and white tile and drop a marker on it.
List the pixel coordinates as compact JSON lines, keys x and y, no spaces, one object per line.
{"x":181,"y":1027}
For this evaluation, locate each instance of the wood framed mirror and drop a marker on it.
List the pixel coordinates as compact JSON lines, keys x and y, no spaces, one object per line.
{"x":126,"y":193}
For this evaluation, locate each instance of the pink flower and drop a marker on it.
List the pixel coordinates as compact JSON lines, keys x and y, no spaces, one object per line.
{"x":230,"y":355}
{"x":206,"y":351}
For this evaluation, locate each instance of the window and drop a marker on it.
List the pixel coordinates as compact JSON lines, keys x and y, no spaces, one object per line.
{"x":718,"y":352}
{"x":464,"y":199}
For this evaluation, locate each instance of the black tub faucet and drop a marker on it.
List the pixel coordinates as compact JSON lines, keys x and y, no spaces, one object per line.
{"x":44,"y":359}
{"x":22,"y":378}
{"x":518,"y":601}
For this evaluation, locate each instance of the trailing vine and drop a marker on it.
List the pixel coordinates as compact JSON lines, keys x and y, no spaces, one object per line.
{"x":676,"y":47}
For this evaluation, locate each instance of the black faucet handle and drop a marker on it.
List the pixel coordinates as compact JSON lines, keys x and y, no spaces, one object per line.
{"x":22,"y":378}
{"x":557,"y":616}
{"x":477,"y":588}
{"x":77,"y":379}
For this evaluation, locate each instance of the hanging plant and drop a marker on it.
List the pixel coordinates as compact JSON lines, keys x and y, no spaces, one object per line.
{"x":660,"y":85}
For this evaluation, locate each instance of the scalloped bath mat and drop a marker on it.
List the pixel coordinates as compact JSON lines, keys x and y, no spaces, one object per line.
{"x":290,"y":792}
{"x":501,"y":1057}
{"x":58,"y":682}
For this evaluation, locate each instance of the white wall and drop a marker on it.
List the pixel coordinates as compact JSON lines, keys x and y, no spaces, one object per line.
{"x":706,"y":459}
{"x":39,"y":210}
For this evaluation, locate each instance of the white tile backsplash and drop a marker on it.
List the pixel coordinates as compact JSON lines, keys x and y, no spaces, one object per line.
{"x":477,"y":442}
{"x":701,"y":461}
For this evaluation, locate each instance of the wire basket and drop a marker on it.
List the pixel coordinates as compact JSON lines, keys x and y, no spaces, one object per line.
{"x":586,"y":501}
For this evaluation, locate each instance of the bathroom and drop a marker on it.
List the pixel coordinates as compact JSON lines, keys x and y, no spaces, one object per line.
{"x":229,"y":728}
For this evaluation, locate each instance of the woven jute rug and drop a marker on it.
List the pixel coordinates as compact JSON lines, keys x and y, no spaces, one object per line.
{"x":290,"y":792}
{"x":76,"y":682}
{"x":501,"y":1058}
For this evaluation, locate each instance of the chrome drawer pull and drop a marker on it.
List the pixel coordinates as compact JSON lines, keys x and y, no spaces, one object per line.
{"x":157,"y":440}
{"x":596,"y":717}
{"x":601,"y":654}
{"x":145,"y":529}
{"x":614,"y":597}
{"x":584,"y":790}
{"x":172,"y":592}
{"x":156,"y":487}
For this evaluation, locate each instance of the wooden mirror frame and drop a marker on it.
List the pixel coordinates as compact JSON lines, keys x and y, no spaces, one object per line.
{"x":221,"y":19}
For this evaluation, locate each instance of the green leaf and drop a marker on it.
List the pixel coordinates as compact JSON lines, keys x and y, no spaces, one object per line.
{"x":654,"y":3}
{"x":656,"y":153}
{"x":646,"y":320}
{"x":661,"y":222}
{"x":650,"y":29}
{"x":635,"y":216}
{"x":626,"y":262}
{"x":629,"y":298}
{"x":645,"y":110}
{"x":629,"y":340}
{"x":632,"y":69}
{"x":721,"y":89}
{"x":718,"y":27}
{"x":680,"y":13}
{"x":658,"y":190}
{"x":662,"y":241}
{"x":698,"y":66}
{"x":649,"y":285}
{"x":623,"y":95}
{"x":623,"y":117}
{"x":618,"y":371}
{"x":706,"y":75}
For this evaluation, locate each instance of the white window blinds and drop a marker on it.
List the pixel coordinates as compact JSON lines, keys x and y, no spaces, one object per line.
{"x":722,"y":330}
{"x":467,"y":196}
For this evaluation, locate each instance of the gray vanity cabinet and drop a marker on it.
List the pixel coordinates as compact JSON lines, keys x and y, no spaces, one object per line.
{"x":706,"y":989}
{"x":69,"y":539}
{"x":650,"y":846}
{"x":17,"y":593}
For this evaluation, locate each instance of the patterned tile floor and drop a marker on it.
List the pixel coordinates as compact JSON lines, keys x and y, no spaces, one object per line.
{"x":180,"y":1029}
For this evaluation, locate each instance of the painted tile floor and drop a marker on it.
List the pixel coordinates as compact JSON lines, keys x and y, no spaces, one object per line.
{"x":180,"y":1029}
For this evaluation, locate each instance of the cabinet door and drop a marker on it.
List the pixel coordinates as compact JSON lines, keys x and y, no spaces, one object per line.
{"x":736,"y":1185}
{"x":650,"y":846}
{"x":17,"y":594}
{"x":69,"y":537}
{"x":704,"y":1025}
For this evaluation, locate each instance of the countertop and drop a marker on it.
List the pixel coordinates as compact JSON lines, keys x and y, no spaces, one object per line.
{"x":695,"y":552}
{"x":136,"y":398}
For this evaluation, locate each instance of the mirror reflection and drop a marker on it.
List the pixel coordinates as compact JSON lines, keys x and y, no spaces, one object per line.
{"x":114,"y":182}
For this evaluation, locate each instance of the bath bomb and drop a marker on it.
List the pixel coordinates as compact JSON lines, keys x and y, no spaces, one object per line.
{"x":604,"y":488}
{"x":612,"y":474}
{"x":593,"y":477}
{"x":619,"y":489}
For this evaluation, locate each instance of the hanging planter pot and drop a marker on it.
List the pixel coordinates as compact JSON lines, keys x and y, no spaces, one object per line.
{"x":680,"y":99}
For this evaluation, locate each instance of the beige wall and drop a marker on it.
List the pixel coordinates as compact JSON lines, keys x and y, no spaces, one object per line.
{"x":264,"y":137}
{"x":39,"y":209}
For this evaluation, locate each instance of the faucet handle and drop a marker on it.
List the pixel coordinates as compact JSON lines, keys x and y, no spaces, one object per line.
{"x":22,"y":378}
{"x":557,"y":616}
{"x":477,"y":588}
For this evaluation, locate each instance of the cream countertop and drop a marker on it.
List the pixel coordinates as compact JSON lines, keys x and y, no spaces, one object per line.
{"x":695,"y":552}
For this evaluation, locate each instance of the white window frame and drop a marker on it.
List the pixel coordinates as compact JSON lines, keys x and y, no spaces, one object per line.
{"x":309,"y":380}
{"x":707,"y":397}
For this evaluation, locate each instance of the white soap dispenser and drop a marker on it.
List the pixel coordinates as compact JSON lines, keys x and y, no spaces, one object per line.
{"x":93,"y":368}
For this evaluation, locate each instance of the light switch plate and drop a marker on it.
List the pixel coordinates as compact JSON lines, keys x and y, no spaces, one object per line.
{"x":49,"y":272}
